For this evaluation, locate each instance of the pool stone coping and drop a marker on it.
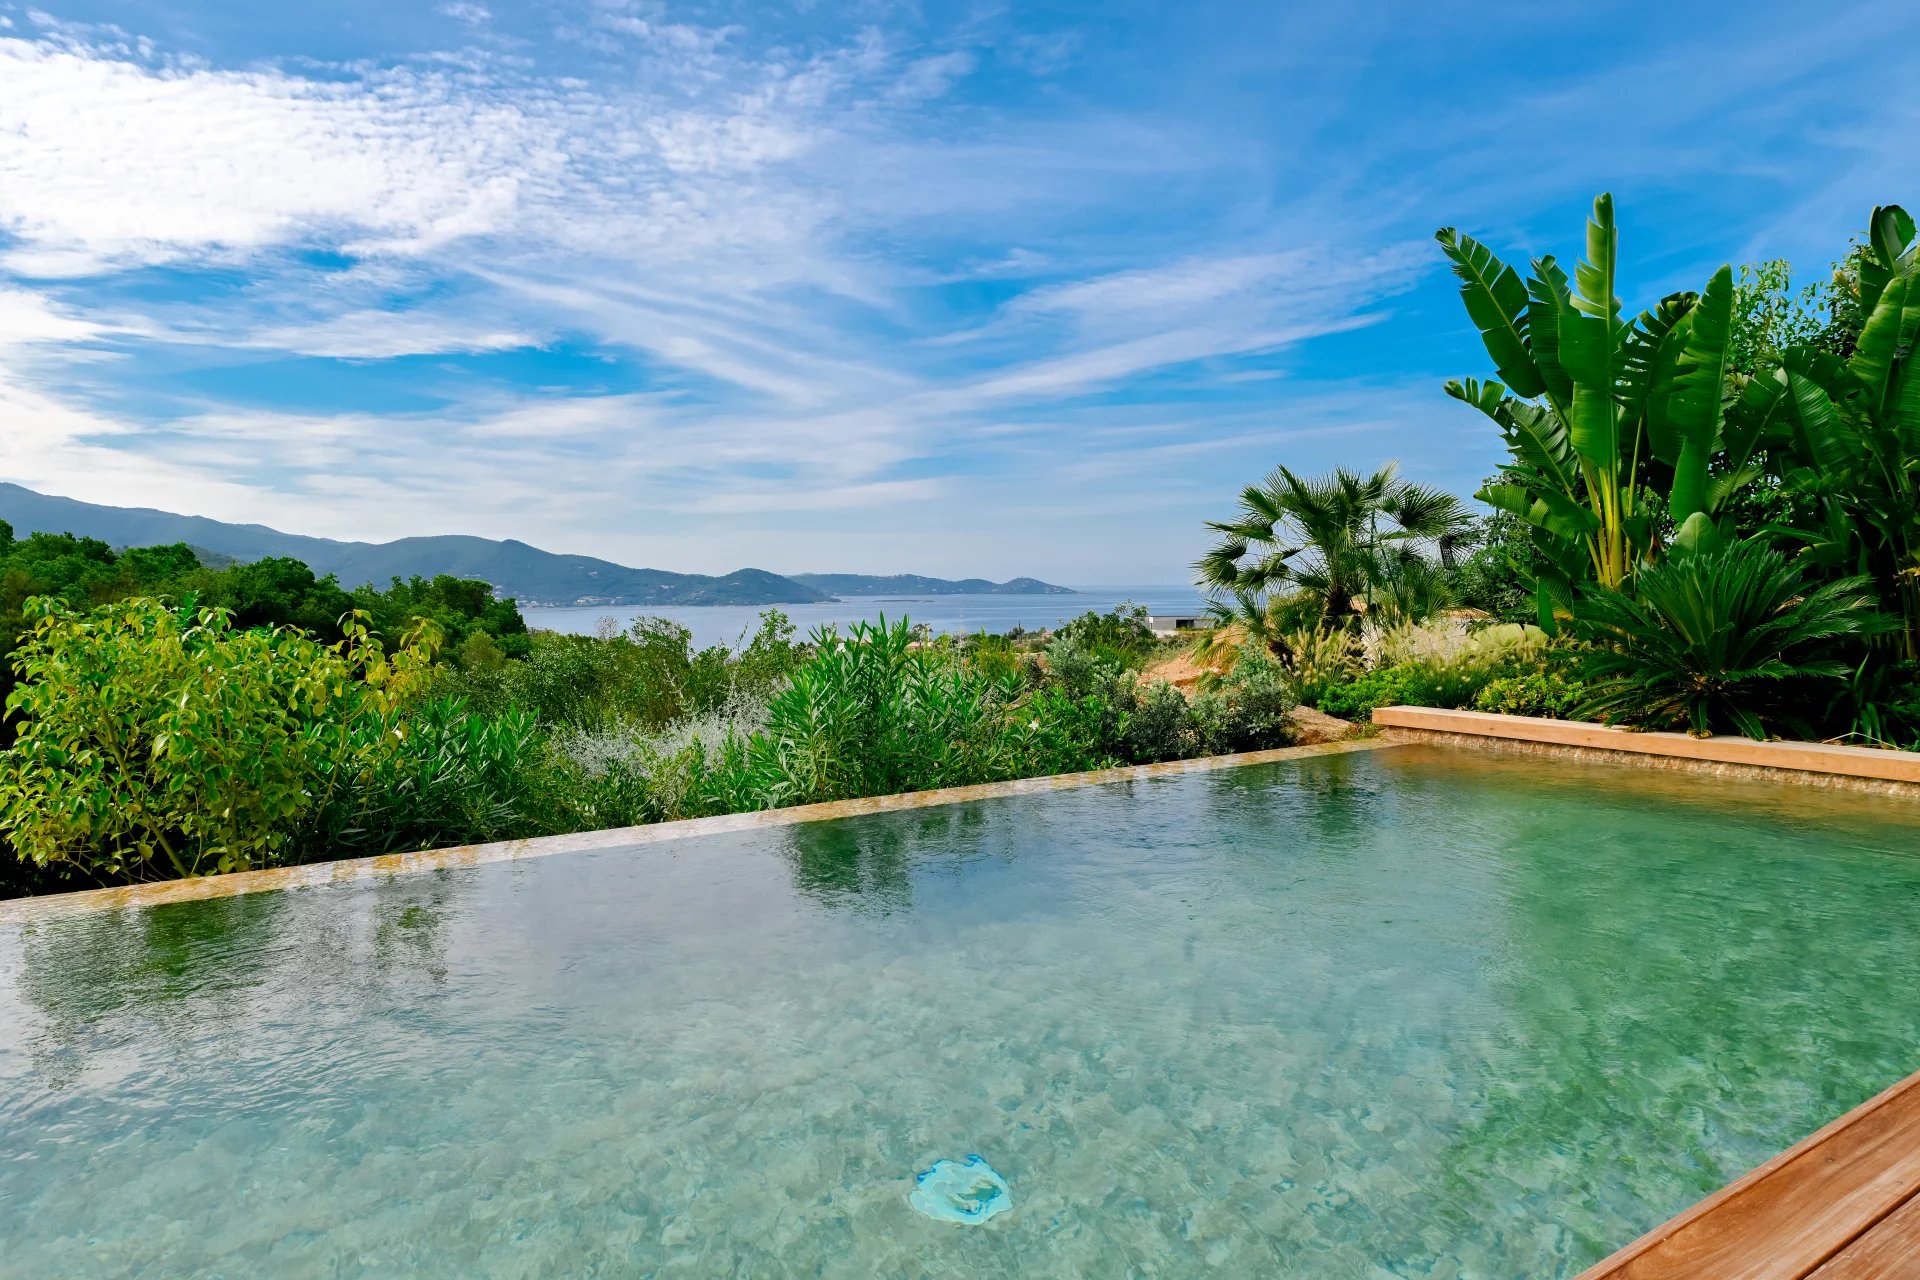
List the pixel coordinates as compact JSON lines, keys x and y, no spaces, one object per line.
{"x":1819,"y":763}
{"x":55,"y":906}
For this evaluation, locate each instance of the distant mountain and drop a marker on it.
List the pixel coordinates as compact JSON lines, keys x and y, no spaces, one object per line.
{"x":528,"y":574}
{"x":912,"y":584}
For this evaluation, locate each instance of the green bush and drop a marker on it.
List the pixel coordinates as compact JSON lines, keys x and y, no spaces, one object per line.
{"x":1157,"y":724}
{"x":1880,"y":705}
{"x":1119,"y":636}
{"x":649,"y":676}
{"x":1423,"y":682}
{"x":1721,"y":637}
{"x":152,"y":740}
{"x":450,"y":776}
{"x":1248,"y":709}
{"x":1538,"y":692}
{"x":871,"y":714}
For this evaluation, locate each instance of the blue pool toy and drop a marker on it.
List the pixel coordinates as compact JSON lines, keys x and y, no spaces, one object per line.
{"x":960,"y":1191}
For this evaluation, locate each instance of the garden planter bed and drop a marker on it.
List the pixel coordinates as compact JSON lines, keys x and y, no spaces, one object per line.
{"x":1818,"y":762}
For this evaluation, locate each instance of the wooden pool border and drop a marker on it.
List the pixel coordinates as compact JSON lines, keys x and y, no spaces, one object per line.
{"x":1819,"y":763}
{"x":21,"y":911}
{"x":1843,"y":1204}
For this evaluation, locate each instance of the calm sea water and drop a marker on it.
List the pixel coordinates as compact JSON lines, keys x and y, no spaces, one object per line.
{"x":1388,"y":1015}
{"x":724,"y":624}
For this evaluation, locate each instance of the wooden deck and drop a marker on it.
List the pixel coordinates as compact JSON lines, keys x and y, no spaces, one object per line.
{"x":1842,"y":1205}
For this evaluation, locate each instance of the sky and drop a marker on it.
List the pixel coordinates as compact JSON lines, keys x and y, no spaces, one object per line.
{"x":941,"y":288}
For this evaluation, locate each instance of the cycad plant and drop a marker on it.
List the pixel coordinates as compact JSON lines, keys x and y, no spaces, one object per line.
{"x":1331,"y":543}
{"x":1719,"y":636}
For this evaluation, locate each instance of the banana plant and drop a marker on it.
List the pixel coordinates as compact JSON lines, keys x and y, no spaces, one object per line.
{"x":1595,"y":409}
{"x":1849,"y":430}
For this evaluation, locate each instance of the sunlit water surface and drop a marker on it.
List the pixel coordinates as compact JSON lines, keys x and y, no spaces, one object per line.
{"x":1384,"y":1015}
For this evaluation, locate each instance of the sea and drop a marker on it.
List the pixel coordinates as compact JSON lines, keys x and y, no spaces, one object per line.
{"x":728,"y":623}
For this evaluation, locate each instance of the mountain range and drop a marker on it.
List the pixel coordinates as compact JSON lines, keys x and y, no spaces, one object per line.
{"x":912,"y":584}
{"x":512,"y":568}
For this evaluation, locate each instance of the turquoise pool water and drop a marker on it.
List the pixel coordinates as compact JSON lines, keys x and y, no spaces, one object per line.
{"x":1385,"y":1015}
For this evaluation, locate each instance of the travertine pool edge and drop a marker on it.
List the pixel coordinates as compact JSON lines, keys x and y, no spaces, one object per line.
{"x":25,"y":911}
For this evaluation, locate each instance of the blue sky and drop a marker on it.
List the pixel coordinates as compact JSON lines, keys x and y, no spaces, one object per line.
{"x":961,"y":289}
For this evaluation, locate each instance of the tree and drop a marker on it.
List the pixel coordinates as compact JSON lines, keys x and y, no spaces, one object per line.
{"x":1602,"y":416}
{"x":1336,"y":541}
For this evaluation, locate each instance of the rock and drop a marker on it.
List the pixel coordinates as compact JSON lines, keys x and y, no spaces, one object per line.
{"x":1311,"y":727}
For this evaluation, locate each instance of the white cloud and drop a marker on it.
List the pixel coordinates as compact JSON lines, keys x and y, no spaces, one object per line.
{"x":28,"y":317}
{"x":766,"y":236}
{"x":932,"y":77}
{"x":121,"y":162}
{"x":379,"y":335}
{"x":465,"y":11}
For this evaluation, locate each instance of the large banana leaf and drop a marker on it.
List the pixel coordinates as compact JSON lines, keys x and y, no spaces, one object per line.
{"x":1889,"y":236}
{"x":1554,"y":512}
{"x":1906,"y":412}
{"x":1650,"y":358}
{"x":1696,"y":407}
{"x":1594,"y":277}
{"x":1885,"y":339}
{"x":1547,"y":297}
{"x":1589,"y":345}
{"x":1536,"y":436}
{"x":1815,"y":383}
{"x":1496,"y":302}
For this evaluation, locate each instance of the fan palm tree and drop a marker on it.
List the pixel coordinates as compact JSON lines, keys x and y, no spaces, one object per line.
{"x":1334,"y":539}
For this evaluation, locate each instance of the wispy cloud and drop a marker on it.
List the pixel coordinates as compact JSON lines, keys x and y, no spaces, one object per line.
{"x":616,"y":276}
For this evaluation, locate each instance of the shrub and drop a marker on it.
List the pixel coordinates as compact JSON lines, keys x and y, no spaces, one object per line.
{"x":152,"y":738}
{"x":1880,"y":704}
{"x":1317,"y":660}
{"x":1119,"y":636}
{"x":1728,"y":636}
{"x":1249,"y":709}
{"x":1421,"y":683}
{"x":870,"y":714}
{"x":648,"y":676}
{"x":1054,"y":732}
{"x":1157,"y":725}
{"x":449,"y":776}
{"x":1540,"y":691}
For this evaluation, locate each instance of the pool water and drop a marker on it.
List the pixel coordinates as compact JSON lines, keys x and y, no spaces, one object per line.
{"x":1392,"y":1014}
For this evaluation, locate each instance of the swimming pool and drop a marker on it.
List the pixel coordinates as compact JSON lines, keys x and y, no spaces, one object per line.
{"x":1415,"y":1012}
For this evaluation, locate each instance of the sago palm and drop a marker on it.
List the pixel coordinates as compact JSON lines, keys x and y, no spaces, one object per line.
{"x":1722,"y":637}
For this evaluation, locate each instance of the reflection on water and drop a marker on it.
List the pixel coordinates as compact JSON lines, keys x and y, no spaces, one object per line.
{"x":1395,"y":1014}
{"x":869,"y":864}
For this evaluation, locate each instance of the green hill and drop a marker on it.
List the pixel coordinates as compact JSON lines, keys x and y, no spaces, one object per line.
{"x":527,"y":574}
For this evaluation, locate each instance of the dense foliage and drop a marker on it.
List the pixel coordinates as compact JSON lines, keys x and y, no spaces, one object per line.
{"x":82,"y":572}
{"x":154,"y":739}
{"x":1721,"y":496}
{"x":159,"y":739}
